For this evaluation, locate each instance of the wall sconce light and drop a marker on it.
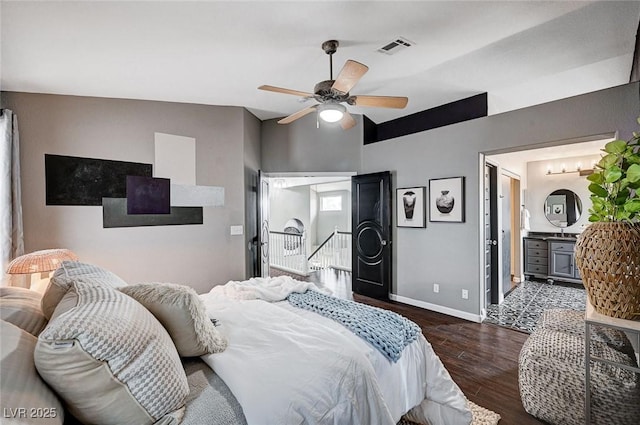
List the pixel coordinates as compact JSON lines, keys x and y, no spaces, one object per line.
{"x":331,"y":112}
{"x":40,"y":263}
{"x":563,"y":167}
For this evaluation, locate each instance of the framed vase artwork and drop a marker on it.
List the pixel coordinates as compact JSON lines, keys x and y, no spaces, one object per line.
{"x":410,"y":207}
{"x":446,"y":199}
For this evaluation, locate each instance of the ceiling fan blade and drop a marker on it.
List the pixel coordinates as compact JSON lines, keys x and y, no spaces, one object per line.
{"x":301,"y":113}
{"x":347,"y":121}
{"x":350,"y":74}
{"x":285,"y":91}
{"x":380,"y":101}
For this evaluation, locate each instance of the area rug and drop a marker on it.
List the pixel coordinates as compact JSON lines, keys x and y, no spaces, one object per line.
{"x":481,"y":416}
{"x":523,"y":306}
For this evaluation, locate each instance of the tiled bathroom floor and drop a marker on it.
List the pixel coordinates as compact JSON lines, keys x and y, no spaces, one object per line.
{"x":522,"y":306}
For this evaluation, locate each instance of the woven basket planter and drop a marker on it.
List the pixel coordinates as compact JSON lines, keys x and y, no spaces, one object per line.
{"x":608,"y":257}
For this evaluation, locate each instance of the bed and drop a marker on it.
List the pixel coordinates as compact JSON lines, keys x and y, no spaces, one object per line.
{"x":288,"y":365}
{"x":96,"y":349}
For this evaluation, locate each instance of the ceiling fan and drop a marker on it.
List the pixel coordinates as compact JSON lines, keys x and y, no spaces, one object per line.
{"x":331,"y":94}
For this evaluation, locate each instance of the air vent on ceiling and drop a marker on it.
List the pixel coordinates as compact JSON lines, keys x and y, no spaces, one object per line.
{"x":395,"y":46}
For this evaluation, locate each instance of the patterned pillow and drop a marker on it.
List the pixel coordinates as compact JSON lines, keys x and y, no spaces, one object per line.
{"x":26,"y":399}
{"x":182,"y":313}
{"x":21,"y":307}
{"x":72,"y":271}
{"x":110,"y":359}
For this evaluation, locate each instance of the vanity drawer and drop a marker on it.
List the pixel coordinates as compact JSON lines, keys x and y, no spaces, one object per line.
{"x":535,"y":244}
{"x":563,"y":246}
{"x":537,"y":252}
{"x":537,"y":269}
{"x":543,"y":261}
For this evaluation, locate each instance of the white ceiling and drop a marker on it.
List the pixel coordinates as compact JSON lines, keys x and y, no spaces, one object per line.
{"x":211,"y":52}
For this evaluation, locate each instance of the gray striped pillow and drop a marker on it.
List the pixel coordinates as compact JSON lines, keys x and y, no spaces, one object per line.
{"x":110,"y":359}
{"x":74,"y":271}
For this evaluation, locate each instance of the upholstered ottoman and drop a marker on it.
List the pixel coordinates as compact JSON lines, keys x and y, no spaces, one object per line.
{"x":552,"y":368}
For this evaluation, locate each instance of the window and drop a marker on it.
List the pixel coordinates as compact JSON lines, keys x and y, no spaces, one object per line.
{"x":331,"y":203}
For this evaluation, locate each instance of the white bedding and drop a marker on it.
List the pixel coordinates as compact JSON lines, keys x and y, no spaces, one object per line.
{"x":291,"y":366}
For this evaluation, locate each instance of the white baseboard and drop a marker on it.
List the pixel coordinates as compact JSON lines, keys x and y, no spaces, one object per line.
{"x":437,"y":308}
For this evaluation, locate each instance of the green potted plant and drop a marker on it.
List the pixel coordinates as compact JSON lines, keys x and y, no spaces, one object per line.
{"x":608,"y":251}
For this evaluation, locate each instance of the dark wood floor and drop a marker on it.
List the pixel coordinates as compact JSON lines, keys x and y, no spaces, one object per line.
{"x":481,"y":358}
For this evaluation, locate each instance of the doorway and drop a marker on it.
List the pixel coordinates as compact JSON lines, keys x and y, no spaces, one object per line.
{"x":319,"y":204}
{"x":534,"y":173}
{"x":501,"y":198}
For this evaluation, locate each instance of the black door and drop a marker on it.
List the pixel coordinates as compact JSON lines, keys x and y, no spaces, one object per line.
{"x":491,"y":234}
{"x":371,"y":221}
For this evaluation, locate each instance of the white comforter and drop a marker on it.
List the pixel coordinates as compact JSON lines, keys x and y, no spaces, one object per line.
{"x":290,"y":366}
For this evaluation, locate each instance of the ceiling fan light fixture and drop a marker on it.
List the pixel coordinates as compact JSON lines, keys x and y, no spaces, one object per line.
{"x":331,"y":112}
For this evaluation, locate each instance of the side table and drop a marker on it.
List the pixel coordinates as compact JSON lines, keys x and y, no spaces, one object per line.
{"x":630,"y":327}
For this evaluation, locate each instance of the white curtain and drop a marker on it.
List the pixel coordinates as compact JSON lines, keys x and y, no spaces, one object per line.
{"x":11,"y":232}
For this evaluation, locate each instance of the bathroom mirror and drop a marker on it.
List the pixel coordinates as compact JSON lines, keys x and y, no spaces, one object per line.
{"x":562,"y":207}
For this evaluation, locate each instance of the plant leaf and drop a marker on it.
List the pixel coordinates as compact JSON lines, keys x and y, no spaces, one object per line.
{"x":597,"y":178}
{"x":598,"y":190}
{"x":634,"y":159}
{"x":632,"y":206}
{"x":622,"y":215}
{"x":633,"y":173}
{"x":608,"y":161}
{"x":616,"y":147}
{"x":622,"y":197}
{"x":612,"y":174}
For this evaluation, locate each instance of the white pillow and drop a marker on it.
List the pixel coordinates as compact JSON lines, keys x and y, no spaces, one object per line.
{"x":110,"y":360}
{"x":26,"y":399}
{"x":182,"y":313}
{"x":21,"y":307}
{"x":72,"y":271}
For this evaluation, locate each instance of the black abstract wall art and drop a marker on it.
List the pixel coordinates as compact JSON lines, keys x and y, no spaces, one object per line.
{"x":85,"y":181}
{"x":114,"y":214}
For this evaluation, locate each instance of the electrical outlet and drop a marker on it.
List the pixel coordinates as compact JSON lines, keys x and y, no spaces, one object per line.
{"x":465,"y":294}
{"x":436,"y":288}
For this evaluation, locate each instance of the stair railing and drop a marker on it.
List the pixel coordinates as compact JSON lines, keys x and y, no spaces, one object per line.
{"x":334,"y":252}
{"x":288,"y":252}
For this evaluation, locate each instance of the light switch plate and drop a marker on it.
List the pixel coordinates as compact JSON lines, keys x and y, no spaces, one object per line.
{"x":236,"y":230}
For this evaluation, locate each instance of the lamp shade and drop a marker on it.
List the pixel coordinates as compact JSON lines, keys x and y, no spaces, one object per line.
{"x":331,"y":112}
{"x":45,"y":260}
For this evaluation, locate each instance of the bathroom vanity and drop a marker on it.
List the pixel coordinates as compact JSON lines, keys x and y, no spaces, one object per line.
{"x":551,"y":256}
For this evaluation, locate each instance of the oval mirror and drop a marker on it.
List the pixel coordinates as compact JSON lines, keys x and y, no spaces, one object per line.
{"x":562,"y":207}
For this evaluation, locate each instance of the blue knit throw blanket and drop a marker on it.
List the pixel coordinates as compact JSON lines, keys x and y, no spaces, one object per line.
{"x":389,"y":332}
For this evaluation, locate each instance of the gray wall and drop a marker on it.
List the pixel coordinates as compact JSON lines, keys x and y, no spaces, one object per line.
{"x":287,"y":203}
{"x":198,"y":255}
{"x":300,"y":146}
